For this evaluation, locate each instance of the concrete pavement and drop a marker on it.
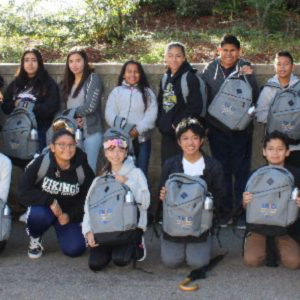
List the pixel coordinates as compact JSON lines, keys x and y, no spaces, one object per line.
{"x":55,"y":276}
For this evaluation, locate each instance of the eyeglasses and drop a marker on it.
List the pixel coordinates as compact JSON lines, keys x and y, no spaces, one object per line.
{"x":65,"y":146}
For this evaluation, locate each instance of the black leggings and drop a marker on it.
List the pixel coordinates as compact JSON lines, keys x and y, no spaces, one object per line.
{"x":101,"y":256}
{"x":121,"y":256}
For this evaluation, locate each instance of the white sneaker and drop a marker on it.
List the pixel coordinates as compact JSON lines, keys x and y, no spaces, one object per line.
{"x":23,"y":218}
{"x":35,"y":249}
{"x":141,"y":250}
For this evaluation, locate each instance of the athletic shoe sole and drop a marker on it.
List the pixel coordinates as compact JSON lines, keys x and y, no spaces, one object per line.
{"x":35,"y":256}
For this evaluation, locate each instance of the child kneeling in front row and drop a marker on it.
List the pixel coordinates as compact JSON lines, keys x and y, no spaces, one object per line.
{"x":275,"y":150}
{"x":122,"y":168}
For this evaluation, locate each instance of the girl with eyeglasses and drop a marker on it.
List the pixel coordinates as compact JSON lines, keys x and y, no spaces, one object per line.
{"x":54,"y":194}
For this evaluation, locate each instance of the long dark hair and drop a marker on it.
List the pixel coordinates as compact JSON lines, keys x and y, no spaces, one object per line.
{"x":143,"y":82}
{"x":38,"y":82}
{"x":69,"y":77}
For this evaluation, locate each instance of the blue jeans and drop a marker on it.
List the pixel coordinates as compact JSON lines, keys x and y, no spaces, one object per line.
{"x":70,"y":238}
{"x":144,"y":156}
{"x":234,"y":153}
{"x":92,"y":145}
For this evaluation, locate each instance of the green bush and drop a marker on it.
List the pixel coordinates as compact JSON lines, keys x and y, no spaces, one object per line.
{"x":159,"y":5}
{"x":191,"y":8}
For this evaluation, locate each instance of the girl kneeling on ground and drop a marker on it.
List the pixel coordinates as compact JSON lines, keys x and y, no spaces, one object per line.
{"x":57,"y":198}
{"x":122,"y":167}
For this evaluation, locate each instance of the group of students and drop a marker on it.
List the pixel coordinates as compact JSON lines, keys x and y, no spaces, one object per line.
{"x":56,"y":186}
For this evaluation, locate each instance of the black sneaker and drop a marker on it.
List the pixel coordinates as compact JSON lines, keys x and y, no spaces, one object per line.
{"x":141,"y":251}
{"x":35,"y":249}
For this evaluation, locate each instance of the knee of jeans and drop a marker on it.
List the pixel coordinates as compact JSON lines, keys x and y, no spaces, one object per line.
{"x":172,"y":263}
{"x":253,"y":260}
{"x":74,"y":251}
{"x":196,"y":264}
{"x":40,"y":215}
{"x":291,"y":262}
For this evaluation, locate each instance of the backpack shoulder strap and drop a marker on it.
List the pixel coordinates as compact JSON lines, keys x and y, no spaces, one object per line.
{"x":164,"y":80}
{"x":184,"y":86}
{"x":80,"y":174}
{"x":43,"y":168}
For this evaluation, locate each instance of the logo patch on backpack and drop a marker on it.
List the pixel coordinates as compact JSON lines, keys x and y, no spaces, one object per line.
{"x":291,"y":103}
{"x":185,"y":221}
{"x":239,"y":91}
{"x":19,"y":122}
{"x":183,"y":195}
{"x":270,"y":181}
{"x":269,"y":210}
{"x":105,"y":215}
{"x":14,"y":144}
{"x":287,"y":126}
{"x":227,"y":109}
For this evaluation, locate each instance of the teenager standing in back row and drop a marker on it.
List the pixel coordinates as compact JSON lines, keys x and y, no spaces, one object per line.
{"x":133,"y":100}
{"x":231,"y":148}
{"x":81,"y":89}
{"x":172,"y":107}
{"x":33,"y":85}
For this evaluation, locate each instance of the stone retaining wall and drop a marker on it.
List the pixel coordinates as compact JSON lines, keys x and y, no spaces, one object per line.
{"x":109,"y":73}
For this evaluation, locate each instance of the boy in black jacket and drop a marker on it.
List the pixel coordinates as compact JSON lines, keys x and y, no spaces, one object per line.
{"x":233,"y":149}
{"x":190,"y":136}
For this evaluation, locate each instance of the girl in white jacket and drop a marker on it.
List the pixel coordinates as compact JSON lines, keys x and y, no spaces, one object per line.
{"x":119,"y":165}
{"x":133,"y":100}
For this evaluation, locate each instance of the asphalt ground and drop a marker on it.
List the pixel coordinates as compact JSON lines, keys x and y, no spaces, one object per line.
{"x":55,"y":276}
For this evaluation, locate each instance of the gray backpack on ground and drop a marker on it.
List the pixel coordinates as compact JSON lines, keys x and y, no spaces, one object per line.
{"x":113,"y":215}
{"x":17,"y":140}
{"x":184,"y":215}
{"x":272,"y":209}
{"x":5,"y":222}
{"x":45,"y":166}
{"x":284,"y":114}
{"x":68,"y":117}
{"x":230,"y":106}
{"x":185,"y":89}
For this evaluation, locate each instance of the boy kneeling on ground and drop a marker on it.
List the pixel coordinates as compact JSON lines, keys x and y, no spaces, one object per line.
{"x":275,"y":150}
{"x":193,"y":162}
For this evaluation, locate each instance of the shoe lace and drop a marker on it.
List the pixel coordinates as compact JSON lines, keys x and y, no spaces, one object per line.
{"x":35,"y":243}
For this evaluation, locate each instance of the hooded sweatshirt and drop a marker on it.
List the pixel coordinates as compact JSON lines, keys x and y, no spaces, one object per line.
{"x":126,"y":101}
{"x":137,"y":183}
{"x":58,"y":184}
{"x":171,"y":105}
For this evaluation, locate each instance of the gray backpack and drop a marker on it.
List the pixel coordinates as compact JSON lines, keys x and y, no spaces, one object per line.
{"x":231,"y":104}
{"x":113,"y":219}
{"x":184,"y":215}
{"x":284,"y":114}
{"x":5,"y":222}
{"x":45,"y":166}
{"x":185,"y":89}
{"x":17,"y":140}
{"x":68,"y":117}
{"x":272,"y":209}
